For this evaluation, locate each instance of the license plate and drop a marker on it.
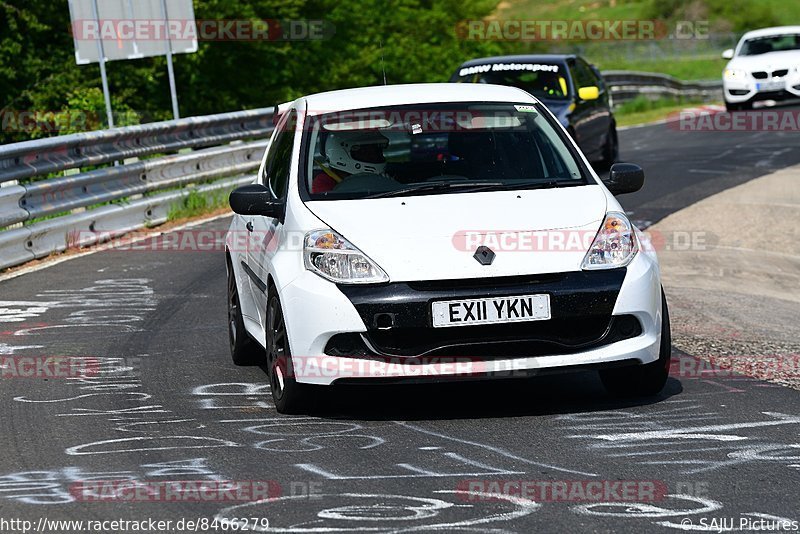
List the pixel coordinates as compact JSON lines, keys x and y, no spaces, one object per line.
{"x":770,"y":86}
{"x":494,"y":310}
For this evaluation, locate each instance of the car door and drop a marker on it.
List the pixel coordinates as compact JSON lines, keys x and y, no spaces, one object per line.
{"x":587,"y":116}
{"x":267,"y":232}
{"x":605,"y":117}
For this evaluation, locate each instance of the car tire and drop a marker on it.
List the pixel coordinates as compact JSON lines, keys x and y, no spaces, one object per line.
{"x":610,"y":149}
{"x":244,"y":351}
{"x":288,"y":395}
{"x":648,"y":379}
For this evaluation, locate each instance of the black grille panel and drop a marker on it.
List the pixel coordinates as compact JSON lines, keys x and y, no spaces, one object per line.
{"x":519,"y":340}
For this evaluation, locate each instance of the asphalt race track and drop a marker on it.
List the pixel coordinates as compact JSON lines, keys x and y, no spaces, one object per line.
{"x":682,"y":167}
{"x":168,"y":405}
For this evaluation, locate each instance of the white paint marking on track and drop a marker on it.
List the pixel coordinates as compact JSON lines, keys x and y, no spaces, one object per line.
{"x":492,"y":448}
{"x":6,"y":349}
{"x":78,"y":450}
{"x":47,"y":263}
{"x":428,"y":508}
{"x":697,"y":432}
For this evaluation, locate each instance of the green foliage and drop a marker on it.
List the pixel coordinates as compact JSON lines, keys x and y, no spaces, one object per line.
{"x":754,"y":15}
{"x":195,"y":204}
{"x":642,"y":110}
{"x":725,"y":15}
{"x":414,"y":40}
{"x":642,"y":103}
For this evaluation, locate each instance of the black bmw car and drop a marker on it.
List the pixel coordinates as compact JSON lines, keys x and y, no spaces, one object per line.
{"x":568,"y":85}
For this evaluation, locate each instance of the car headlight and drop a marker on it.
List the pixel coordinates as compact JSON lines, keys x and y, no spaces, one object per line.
{"x":734,"y":74}
{"x":615,"y":244}
{"x":334,"y":258}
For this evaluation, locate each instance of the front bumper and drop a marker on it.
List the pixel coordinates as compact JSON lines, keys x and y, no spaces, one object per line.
{"x":399,"y":323}
{"x":598,"y":318}
{"x":736,"y":92}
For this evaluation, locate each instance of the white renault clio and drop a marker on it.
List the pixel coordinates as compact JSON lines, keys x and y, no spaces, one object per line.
{"x":438,"y":231}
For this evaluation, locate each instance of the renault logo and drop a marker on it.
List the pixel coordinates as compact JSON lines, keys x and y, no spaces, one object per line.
{"x":484,"y":255}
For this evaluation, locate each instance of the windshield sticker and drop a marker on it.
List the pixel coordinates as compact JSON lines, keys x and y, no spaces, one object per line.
{"x":525,"y":109}
{"x":497,"y":67}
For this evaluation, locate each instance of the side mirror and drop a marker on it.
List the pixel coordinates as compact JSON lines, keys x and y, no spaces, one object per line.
{"x":624,"y":178}
{"x":589,"y":93}
{"x":255,"y":199}
{"x":728,"y":54}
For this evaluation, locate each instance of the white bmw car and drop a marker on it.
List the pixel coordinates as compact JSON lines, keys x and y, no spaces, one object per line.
{"x":764,"y":66}
{"x":436,"y":232}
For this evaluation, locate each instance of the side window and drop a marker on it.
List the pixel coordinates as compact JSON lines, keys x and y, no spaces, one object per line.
{"x":583,"y":75}
{"x":278,"y":164}
{"x":598,"y":78}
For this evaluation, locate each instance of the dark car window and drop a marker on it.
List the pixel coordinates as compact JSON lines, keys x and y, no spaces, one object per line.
{"x":772,"y":43}
{"x":547,"y":81}
{"x":583,"y":75}
{"x":279,"y":157}
{"x":435,"y":148}
{"x":601,"y":83}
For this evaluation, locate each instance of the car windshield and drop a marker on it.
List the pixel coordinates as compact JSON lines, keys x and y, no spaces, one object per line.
{"x":547,"y":81}
{"x":772,"y":43}
{"x":434,"y":149}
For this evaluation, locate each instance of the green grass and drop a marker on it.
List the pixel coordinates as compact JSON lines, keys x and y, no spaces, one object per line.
{"x":695,"y":59}
{"x":683,"y":69}
{"x":643,"y":110}
{"x":195,"y":204}
{"x":570,"y":9}
{"x":779,"y":12}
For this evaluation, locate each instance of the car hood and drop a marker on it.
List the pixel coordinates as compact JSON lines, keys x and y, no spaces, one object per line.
{"x":787,"y":59}
{"x":558,"y":108}
{"x":434,"y":237}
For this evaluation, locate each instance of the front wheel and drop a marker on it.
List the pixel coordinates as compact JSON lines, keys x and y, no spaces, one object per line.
{"x":289,"y":396}
{"x":643,"y":380}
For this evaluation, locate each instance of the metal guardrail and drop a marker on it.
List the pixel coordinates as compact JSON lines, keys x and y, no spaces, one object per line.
{"x":627,"y":85}
{"x":53,"y":178}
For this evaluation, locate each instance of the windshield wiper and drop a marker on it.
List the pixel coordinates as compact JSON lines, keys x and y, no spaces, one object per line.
{"x":437,"y":186}
{"x":549,"y":184}
{"x":477,"y":186}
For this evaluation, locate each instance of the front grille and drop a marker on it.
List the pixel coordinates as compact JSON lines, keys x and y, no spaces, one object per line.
{"x":519,"y":340}
{"x":780,"y":73}
{"x":760,"y":75}
{"x":483,"y":283}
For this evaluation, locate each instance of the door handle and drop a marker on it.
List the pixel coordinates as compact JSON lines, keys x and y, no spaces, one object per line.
{"x":249,"y":226}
